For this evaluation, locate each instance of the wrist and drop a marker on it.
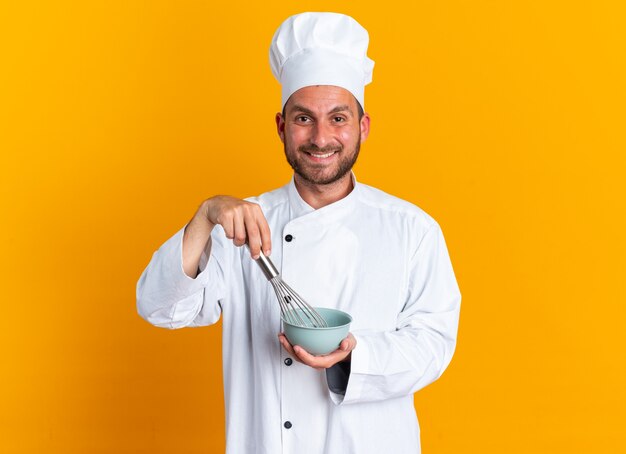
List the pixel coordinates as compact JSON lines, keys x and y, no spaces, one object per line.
{"x":202,"y":214}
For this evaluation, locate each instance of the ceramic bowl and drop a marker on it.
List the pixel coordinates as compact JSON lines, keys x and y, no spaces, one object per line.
{"x":320,"y":341}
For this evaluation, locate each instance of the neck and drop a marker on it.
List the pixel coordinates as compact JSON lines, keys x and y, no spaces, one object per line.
{"x":320,"y":195}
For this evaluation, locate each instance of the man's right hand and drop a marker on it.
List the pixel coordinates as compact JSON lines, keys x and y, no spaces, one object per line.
{"x":242,"y":221}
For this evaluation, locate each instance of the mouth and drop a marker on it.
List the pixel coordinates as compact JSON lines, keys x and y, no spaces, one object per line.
{"x":321,"y":155}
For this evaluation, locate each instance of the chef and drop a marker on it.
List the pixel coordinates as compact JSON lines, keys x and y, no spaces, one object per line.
{"x":340,"y":244}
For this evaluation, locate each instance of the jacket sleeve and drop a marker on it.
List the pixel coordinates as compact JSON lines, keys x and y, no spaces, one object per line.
{"x":390,"y":364}
{"x":168,"y":298}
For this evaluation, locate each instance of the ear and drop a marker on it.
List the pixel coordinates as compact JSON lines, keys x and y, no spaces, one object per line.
{"x":280,"y":127}
{"x":365,"y":126}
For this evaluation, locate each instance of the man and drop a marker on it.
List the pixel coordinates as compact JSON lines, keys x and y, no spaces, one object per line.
{"x":340,"y":244}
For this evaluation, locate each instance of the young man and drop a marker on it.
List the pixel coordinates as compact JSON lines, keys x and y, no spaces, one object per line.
{"x":340,"y":244}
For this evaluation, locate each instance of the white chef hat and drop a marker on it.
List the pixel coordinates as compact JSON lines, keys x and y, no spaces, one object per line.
{"x":321,"y":49}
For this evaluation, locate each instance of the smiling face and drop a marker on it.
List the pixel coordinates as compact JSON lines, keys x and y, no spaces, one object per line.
{"x":322,"y":133}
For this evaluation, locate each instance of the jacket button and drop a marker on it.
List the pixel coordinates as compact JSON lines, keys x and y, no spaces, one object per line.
{"x":287,"y":425}
{"x":288,"y":238}
{"x":288,"y":361}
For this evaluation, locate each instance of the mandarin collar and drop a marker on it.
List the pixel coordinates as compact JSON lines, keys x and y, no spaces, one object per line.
{"x":302,"y":210}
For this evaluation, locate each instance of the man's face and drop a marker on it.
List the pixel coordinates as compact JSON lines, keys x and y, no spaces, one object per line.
{"x":322,"y":133}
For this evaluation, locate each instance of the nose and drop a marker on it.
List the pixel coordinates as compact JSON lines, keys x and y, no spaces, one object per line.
{"x":321,"y":135}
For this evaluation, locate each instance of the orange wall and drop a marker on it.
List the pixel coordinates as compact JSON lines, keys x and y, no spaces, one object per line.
{"x":503,"y":120}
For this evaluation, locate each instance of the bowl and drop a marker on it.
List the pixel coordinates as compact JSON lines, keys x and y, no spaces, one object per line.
{"x":320,"y":341}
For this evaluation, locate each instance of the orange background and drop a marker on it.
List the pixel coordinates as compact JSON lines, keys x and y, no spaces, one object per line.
{"x":503,"y":120}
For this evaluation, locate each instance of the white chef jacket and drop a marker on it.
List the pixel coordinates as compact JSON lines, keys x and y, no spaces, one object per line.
{"x":372,"y":255}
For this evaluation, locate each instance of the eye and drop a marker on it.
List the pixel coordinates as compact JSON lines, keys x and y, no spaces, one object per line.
{"x":302,"y":119}
{"x":339,"y":119}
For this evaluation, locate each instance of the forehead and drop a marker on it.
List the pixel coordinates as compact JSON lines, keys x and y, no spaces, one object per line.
{"x":321,"y":98}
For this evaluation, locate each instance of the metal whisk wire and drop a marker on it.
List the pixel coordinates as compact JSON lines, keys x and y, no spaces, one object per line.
{"x":293,"y":308}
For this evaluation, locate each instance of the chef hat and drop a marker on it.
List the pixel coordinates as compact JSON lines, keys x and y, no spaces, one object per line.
{"x":321,"y":49}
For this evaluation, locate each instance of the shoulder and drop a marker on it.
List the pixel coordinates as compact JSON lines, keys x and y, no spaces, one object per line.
{"x":272,"y":199}
{"x":394,"y":207}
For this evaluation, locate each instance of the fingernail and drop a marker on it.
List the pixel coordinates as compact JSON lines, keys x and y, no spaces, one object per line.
{"x":256,"y":256}
{"x":269,"y":251}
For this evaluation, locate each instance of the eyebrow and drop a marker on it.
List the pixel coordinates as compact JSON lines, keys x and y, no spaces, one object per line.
{"x":342,"y":108}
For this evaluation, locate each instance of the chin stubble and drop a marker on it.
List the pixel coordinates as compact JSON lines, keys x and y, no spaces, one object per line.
{"x":345,"y":165}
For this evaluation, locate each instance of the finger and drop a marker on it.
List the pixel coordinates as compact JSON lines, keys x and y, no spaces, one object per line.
{"x":348,"y":344}
{"x":285,"y":343}
{"x":302,"y":354}
{"x":321,"y":362}
{"x":240,"y":229}
{"x":266,"y":237}
{"x":289,"y":348}
{"x":228,"y":226}
{"x":334,"y":357}
{"x":254,"y":238}
{"x":351,"y":341}
{"x":308,"y":359}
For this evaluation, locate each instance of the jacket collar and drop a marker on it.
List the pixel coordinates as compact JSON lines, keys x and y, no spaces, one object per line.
{"x":302,"y":210}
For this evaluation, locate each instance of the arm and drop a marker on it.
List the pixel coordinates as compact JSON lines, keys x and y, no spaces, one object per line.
{"x":390,"y":364}
{"x":168,"y":298}
{"x":170,"y":292}
{"x":242,"y":222}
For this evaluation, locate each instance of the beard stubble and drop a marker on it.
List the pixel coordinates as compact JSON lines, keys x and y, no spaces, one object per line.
{"x":308,"y":173}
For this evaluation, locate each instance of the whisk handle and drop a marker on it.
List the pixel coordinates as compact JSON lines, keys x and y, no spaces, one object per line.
{"x":267,"y":267}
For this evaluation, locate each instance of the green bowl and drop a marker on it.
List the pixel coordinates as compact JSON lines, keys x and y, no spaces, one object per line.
{"x":320,"y":341}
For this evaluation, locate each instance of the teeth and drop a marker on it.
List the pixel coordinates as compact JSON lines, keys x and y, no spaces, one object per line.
{"x":322,"y":156}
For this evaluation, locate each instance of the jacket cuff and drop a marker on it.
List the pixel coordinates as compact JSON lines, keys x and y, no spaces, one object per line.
{"x":172,"y":251}
{"x":337,"y":378}
{"x":356,"y":370}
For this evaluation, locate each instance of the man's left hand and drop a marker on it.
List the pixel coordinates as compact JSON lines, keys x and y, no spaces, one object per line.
{"x":324,"y":361}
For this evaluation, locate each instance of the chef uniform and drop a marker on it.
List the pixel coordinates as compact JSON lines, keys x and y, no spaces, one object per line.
{"x":379,"y":258}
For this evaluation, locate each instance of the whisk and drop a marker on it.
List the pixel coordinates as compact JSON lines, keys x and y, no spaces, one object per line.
{"x":293,"y":309}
